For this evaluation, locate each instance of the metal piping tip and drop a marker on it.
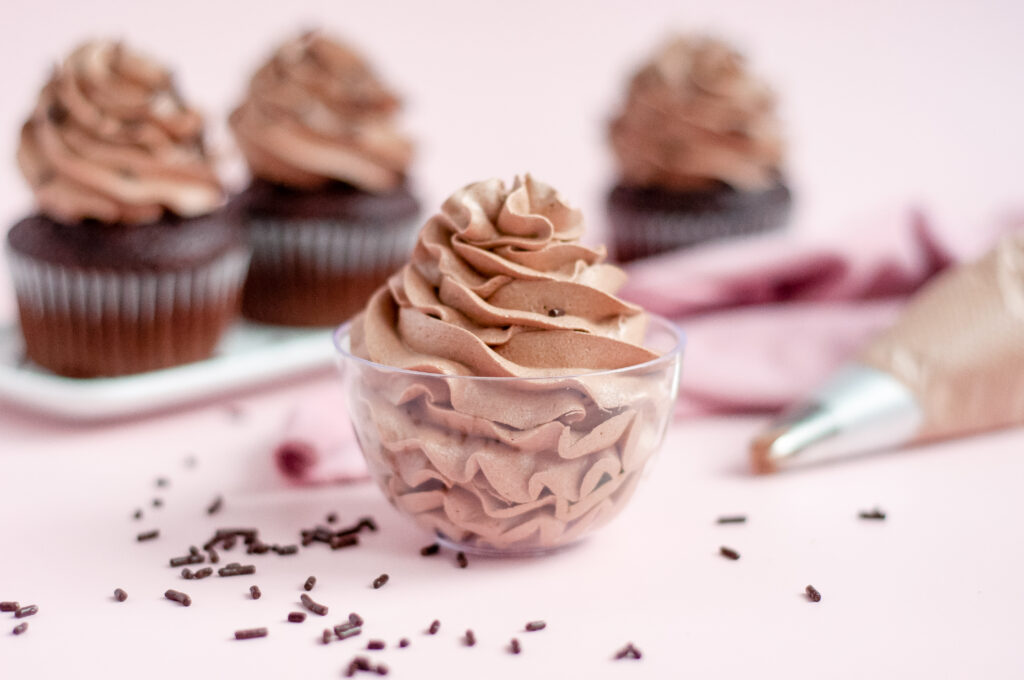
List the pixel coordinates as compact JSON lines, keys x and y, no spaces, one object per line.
{"x":860,"y":409}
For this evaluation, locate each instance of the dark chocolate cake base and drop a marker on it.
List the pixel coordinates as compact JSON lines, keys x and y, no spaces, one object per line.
{"x":108,"y":300}
{"x":647,"y":221}
{"x":319,"y":255}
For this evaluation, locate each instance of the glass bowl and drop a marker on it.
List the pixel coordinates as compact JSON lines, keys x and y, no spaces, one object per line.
{"x":511,"y":466}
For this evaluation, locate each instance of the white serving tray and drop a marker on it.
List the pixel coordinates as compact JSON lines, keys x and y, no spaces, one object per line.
{"x":248,"y":355}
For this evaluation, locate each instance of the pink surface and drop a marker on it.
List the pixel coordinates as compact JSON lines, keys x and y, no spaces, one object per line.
{"x":885,"y":103}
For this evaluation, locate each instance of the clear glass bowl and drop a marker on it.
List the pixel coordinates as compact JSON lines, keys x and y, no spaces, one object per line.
{"x":511,"y":466}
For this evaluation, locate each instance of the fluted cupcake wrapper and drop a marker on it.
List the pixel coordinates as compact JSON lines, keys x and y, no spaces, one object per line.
{"x":85,"y":322}
{"x":319,"y":272}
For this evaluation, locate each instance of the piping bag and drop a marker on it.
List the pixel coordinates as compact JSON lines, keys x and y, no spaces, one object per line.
{"x":952,"y":365}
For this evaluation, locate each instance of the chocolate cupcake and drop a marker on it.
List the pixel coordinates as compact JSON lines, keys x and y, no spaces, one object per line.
{"x":699,"y":152}
{"x":328,"y":212}
{"x":128,"y":266}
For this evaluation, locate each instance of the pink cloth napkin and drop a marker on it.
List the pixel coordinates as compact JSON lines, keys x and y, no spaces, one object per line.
{"x":767,"y":319}
{"x":317,"y":444}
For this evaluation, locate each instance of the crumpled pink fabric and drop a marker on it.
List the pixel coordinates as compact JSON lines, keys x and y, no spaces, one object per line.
{"x":767,"y":319}
{"x":317,"y":445}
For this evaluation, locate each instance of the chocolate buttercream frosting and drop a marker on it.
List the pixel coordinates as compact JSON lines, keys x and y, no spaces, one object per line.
{"x":110,"y":139}
{"x":316,"y":113}
{"x":695,"y":117}
{"x":499,"y":286}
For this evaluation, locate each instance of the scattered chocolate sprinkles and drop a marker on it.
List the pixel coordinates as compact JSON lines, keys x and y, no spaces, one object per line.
{"x":312,"y":606}
{"x":461,"y":560}
{"x":8,"y":606}
{"x":812,"y":594}
{"x":536,"y":625}
{"x":27,"y":610}
{"x":732,"y":519}
{"x":729,"y":552}
{"x":179,"y":597}
{"x":435,"y":626}
{"x":629,"y":652}
{"x":310,"y":582}
{"x":404,"y":642}
{"x":431,"y":549}
{"x":332,"y":518}
{"x":285,"y":549}
{"x":380,"y":581}
{"x":359,"y":663}
{"x":120,"y":595}
{"x":250,"y":633}
{"x":203,"y":573}
{"x":875,"y":513}
{"x":375,"y":644}
{"x":148,"y":535}
{"x":555,"y":311}
{"x":514,"y":646}
{"x":327,"y":636}
{"x":191,"y":558}
{"x":158,"y":502}
{"x":138,"y":514}
{"x":187,"y":574}
{"x":214,"y":556}
{"x":345,"y":631}
{"x":162,"y":482}
{"x":355,"y":619}
{"x":215,"y":506}
{"x":20,"y":628}
{"x":255,"y":592}
{"x":337,"y":542}
{"x":470,"y":638}
{"x":235,"y":569}
{"x":296,"y":617}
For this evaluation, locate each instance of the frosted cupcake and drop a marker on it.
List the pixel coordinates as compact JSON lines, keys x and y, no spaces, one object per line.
{"x":128,"y":266}
{"x":503,"y":395}
{"x":328,"y":211}
{"x":699,"y":152}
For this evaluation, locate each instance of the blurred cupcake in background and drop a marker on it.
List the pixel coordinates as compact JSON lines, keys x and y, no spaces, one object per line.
{"x":699,"y":152}
{"x":328,"y":211}
{"x":128,"y":266}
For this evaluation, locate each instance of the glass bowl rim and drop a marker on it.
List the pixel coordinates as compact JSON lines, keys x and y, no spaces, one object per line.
{"x":343,"y":331}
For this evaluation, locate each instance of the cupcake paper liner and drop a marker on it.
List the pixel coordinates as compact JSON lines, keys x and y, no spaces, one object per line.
{"x":318,"y":272}
{"x":85,"y":322}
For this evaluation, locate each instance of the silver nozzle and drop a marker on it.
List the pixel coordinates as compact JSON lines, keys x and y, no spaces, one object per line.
{"x":860,"y":409}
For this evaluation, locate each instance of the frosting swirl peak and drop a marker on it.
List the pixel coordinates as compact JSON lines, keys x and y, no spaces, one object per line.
{"x":499,"y":285}
{"x":111,"y":139}
{"x":695,"y":116}
{"x":315,"y":113}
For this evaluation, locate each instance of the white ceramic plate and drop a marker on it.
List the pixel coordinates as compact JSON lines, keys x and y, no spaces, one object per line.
{"x":248,"y":355}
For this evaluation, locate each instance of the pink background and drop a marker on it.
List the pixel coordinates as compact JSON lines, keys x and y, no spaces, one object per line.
{"x":884,"y":103}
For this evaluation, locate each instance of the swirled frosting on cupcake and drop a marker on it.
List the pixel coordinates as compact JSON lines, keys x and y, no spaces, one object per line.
{"x":500,"y":286}
{"x":110,"y":139}
{"x":316,"y":113}
{"x":694,"y":117}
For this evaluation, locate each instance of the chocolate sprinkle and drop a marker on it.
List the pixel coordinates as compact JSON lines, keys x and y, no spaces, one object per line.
{"x":332,"y":518}
{"x":872,"y":514}
{"x":729,"y":552}
{"x":20,"y":628}
{"x":203,"y":573}
{"x":381,"y":669}
{"x":470,"y":638}
{"x":312,"y":606}
{"x":120,"y":595}
{"x":380,"y":580}
{"x":629,"y":652}
{"x":250,"y":633}
{"x":435,"y":626}
{"x":255,"y":592}
{"x":285,"y":549}
{"x":214,"y":556}
{"x":215,"y":506}
{"x":162,"y":482}
{"x":375,"y":644}
{"x":187,"y":559}
{"x":234,"y":569}
{"x":514,"y":646}
{"x":296,"y":617}
{"x":431,"y":549}
{"x":158,"y":503}
{"x":8,"y":606}
{"x":355,"y":619}
{"x":138,"y":514}
{"x":178,"y":597}
{"x":346,"y":633}
{"x":326,"y":636}
{"x":461,"y":560}
{"x":337,"y":542}
{"x":812,"y":594}
{"x":732,"y":519}
{"x":535,"y":626}
{"x":404,"y":642}
{"x":27,"y":610}
{"x":148,"y":535}
{"x":555,"y":311}
{"x":310,"y":582}
{"x":187,"y":574}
